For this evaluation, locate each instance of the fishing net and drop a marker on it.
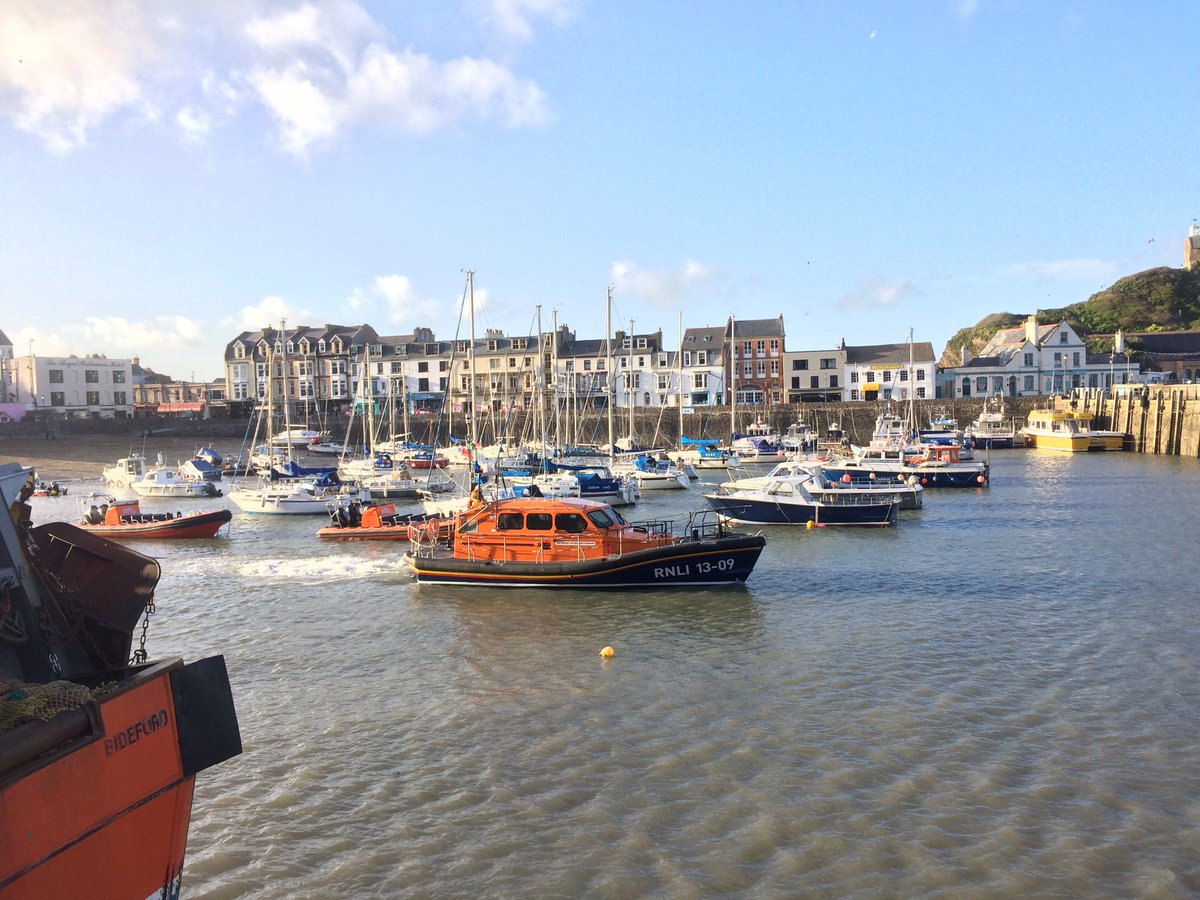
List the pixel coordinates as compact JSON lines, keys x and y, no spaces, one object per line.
{"x":20,"y":703}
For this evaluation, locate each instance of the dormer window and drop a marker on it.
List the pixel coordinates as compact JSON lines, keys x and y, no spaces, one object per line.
{"x":642,"y":343}
{"x":321,"y":345}
{"x":291,"y":348}
{"x":304,"y":346}
{"x":279,"y":347}
{"x":239,"y":351}
{"x":707,"y":338}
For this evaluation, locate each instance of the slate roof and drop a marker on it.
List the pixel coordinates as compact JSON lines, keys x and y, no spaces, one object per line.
{"x":890,"y":354}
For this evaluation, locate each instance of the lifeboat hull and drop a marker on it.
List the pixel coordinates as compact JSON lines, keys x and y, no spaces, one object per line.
{"x":727,"y":560}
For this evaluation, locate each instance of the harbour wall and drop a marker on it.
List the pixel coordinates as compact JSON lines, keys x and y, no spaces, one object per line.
{"x":1160,"y":419}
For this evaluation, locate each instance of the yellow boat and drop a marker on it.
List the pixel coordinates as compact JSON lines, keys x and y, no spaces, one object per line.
{"x":1068,"y":431}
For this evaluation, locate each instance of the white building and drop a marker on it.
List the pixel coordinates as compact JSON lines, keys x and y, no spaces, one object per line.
{"x":890,"y":371}
{"x":90,"y":387}
{"x":704,"y":372}
{"x":1036,"y":360}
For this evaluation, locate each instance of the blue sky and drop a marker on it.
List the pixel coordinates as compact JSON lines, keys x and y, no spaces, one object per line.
{"x":173,"y":173}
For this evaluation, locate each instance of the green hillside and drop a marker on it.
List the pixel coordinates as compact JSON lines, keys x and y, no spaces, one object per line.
{"x":1162,"y":299}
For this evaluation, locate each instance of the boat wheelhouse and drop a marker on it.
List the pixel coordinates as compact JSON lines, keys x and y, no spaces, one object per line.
{"x":1068,"y":431}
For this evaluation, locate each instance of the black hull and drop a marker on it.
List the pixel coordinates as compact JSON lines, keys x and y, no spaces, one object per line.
{"x":756,"y":512}
{"x":727,"y":560}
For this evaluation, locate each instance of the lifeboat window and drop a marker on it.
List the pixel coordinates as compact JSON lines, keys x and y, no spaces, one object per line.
{"x":539,"y":521}
{"x":510,"y":521}
{"x":601,"y":518}
{"x":572,"y":523}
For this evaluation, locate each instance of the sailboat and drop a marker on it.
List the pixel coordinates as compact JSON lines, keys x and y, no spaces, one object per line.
{"x":295,"y":491}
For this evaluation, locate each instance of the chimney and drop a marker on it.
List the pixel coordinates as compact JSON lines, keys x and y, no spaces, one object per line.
{"x":966,"y":354}
{"x":1031,"y":330}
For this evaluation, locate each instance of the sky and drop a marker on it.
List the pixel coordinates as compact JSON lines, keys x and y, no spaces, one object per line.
{"x":173,"y":173}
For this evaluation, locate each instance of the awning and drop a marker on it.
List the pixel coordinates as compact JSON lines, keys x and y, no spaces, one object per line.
{"x":180,"y":407}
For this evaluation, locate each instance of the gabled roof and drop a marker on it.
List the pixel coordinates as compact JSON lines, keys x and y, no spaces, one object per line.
{"x":890,"y":354}
{"x":4,"y":341}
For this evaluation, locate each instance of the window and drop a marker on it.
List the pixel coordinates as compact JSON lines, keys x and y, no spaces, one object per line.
{"x":795,"y":382}
{"x":118,"y":376}
{"x":664,"y":382}
{"x":828,"y":363}
{"x":493,"y":344}
{"x":814,"y":381}
{"x":904,"y":375}
{"x":1062,"y":337}
{"x":981,"y":384}
{"x":571,"y":523}
{"x":494,"y":362}
{"x":58,"y":398}
{"x":920,"y":374}
{"x":887,"y":374}
{"x":921,"y":393}
{"x":774,"y":368}
{"x":1075,"y":358}
{"x":761,"y":348}
{"x":443,"y":365}
{"x":1028,"y":383}
{"x":998,"y":384}
{"x":512,"y":362}
{"x":702,"y":357}
{"x":774,"y":347}
{"x":853,"y":393}
{"x":587,"y":365}
{"x":641,"y":343}
{"x":539,"y":522}
{"x":1058,"y":358}
{"x":799,"y":365}
{"x":119,"y":398}
{"x":762,"y":368}
{"x":854,"y":378}
{"x":520,"y":343}
{"x":56,"y":376}
{"x":833,"y":381}
{"x":687,"y":357}
{"x":700,"y":381}
{"x":870,"y":376}
{"x":93,"y":398}
{"x":1029,"y":359}
{"x":239,"y":352}
{"x":510,"y":521}
{"x":321,"y":345}
{"x":599,"y":365}
{"x":641,"y":362}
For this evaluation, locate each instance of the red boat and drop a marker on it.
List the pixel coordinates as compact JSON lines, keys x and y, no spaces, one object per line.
{"x":352,"y":521}
{"x":122,"y":519}
{"x":99,"y":750}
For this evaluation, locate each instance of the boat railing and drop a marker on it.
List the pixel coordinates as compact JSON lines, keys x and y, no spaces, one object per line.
{"x":705,"y":524}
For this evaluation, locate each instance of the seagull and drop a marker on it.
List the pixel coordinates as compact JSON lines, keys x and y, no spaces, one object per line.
{"x":1151,"y":241}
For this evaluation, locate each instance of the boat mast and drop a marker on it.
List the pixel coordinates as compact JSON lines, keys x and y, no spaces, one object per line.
{"x":540,"y":382}
{"x":554,"y":377}
{"x":629,"y":382}
{"x":610,"y":388}
{"x":473,"y":431}
{"x":733,"y":358}
{"x":679,"y":362}
{"x":287,"y":417}
{"x":912,"y":389}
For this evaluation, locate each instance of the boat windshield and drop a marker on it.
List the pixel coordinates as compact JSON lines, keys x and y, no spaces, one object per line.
{"x":605,"y":518}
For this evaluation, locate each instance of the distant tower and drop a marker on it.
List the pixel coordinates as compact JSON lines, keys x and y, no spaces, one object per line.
{"x":1191,"y":249}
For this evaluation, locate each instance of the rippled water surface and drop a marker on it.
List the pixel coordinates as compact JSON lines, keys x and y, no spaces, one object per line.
{"x":997,"y":697}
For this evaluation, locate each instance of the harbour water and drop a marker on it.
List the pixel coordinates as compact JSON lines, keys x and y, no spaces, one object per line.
{"x":997,"y":697}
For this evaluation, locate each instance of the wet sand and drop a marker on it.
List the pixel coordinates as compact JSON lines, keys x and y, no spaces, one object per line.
{"x":75,"y":457}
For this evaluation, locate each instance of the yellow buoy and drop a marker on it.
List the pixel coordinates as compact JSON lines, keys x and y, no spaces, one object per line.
{"x":608,"y":652}
{"x":810,"y":524}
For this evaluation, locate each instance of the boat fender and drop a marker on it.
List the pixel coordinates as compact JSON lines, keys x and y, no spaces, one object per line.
{"x":608,"y":653}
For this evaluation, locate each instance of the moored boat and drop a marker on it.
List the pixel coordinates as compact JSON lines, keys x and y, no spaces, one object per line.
{"x":43,"y":488}
{"x":933,"y":466}
{"x":570,"y":542}
{"x":99,"y":749}
{"x":120,"y":519}
{"x":1068,"y":431}
{"x":169,"y":482}
{"x":993,"y":429}
{"x":793,"y":495}
{"x":352,"y":520}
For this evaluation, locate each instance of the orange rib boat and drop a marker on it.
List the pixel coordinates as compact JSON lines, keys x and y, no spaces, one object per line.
{"x":121,"y":519}
{"x":352,"y":521}
{"x":99,"y":751}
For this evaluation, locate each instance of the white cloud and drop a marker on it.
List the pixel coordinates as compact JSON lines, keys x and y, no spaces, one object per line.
{"x":140,"y":336}
{"x":666,"y":288}
{"x":267,"y":313}
{"x":67,"y":66}
{"x":1083,"y":269}
{"x":964,"y":9}
{"x":875,"y":293}
{"x":325,"y":69}
{"x":513,"y":19}
{"x":193,"y":124}
{"x":316,"y":68}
